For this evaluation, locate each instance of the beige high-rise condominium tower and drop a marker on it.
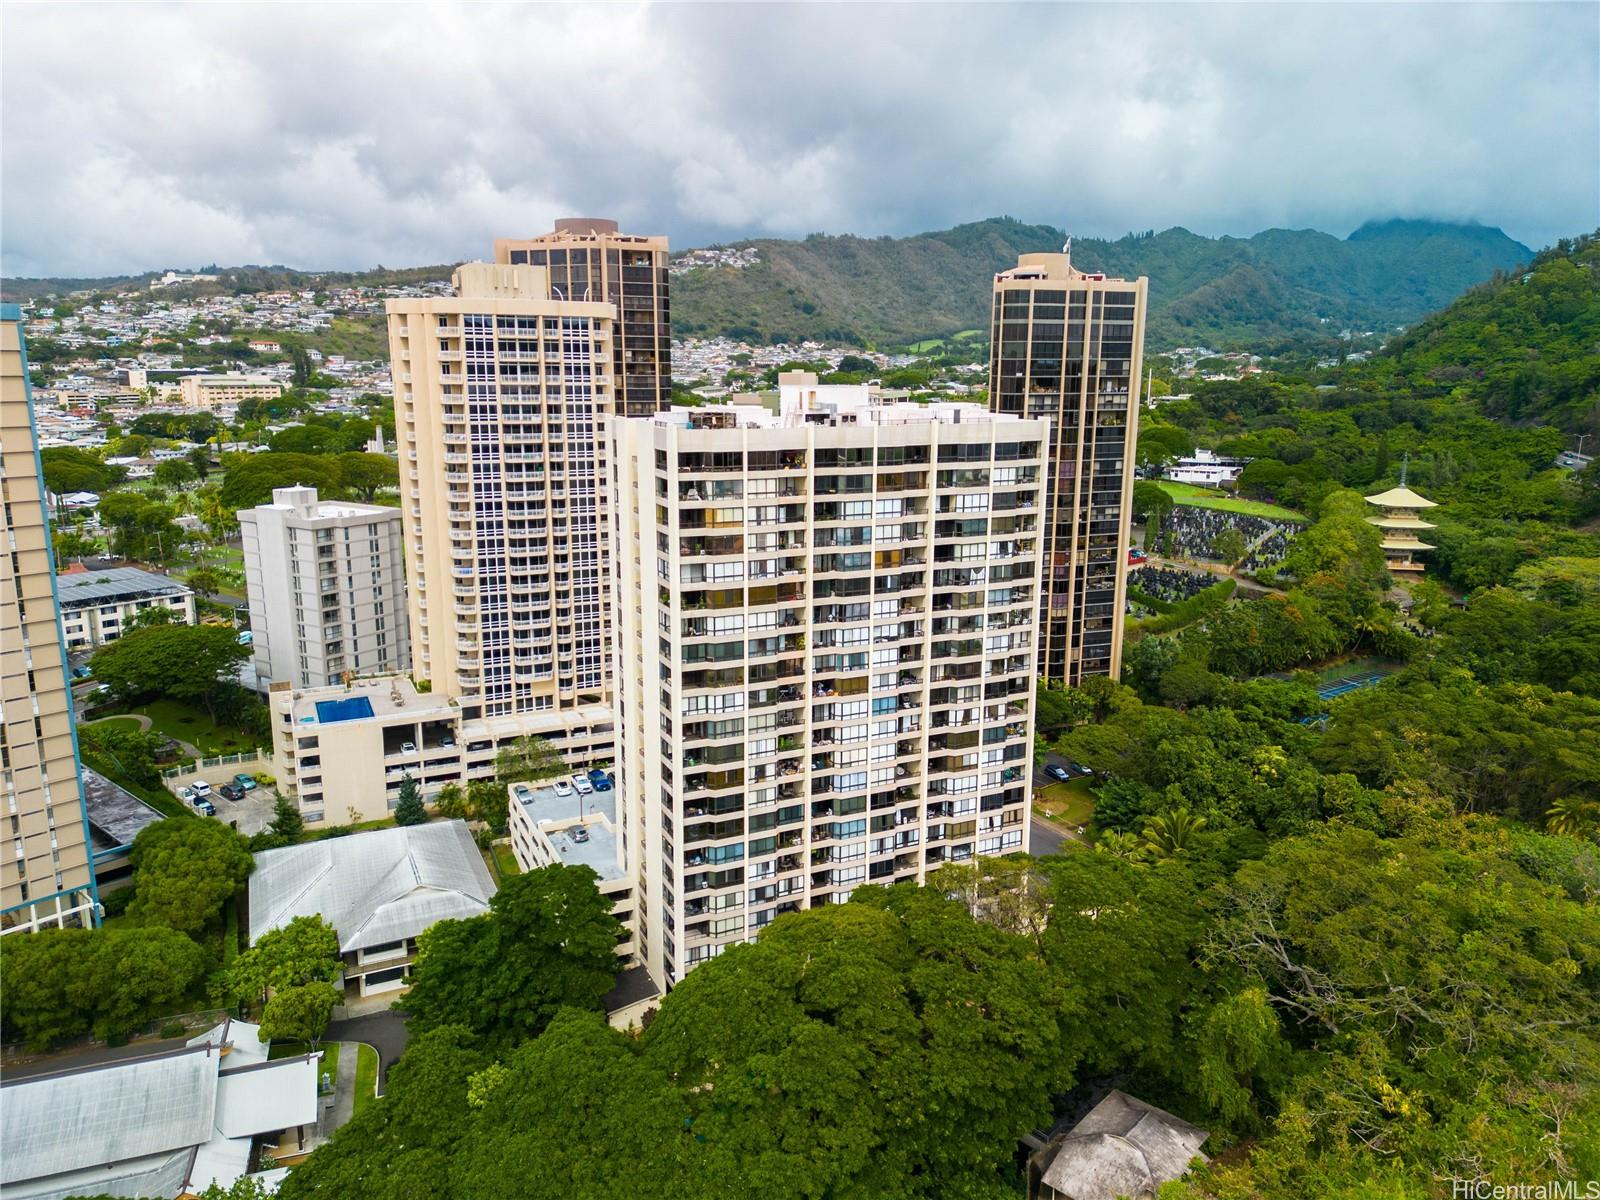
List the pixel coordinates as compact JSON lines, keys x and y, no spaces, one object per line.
{"x":45,"y":876}
{"x":588,"y":259}
{"x":1068,"y":345}
{"x":825,"y":624}
{"x":501,"y":394}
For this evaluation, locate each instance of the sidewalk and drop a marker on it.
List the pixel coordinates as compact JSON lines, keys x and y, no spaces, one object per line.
{"x":335,"y":1110}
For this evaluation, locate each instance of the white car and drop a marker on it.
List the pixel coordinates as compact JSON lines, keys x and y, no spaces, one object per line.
{"x":563,"y":788}
{"x":408,"y":747}
{"x":581,"y":782}
{"x":185,"y":794}
{"x":200,"y":789}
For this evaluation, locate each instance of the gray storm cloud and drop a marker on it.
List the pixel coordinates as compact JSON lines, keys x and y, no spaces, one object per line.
{"x":137,"y":137}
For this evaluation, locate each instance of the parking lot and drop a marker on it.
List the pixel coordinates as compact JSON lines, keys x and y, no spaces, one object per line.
{"x":249,"y":815}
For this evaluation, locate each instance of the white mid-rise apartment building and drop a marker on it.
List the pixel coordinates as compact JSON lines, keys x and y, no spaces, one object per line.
{"x":827,"y":628}
{"x":326,"y":583}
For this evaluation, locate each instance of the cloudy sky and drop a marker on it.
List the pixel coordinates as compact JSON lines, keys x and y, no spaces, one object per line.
{"x":139,"y":136}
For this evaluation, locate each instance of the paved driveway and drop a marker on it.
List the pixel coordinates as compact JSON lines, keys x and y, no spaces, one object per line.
{"x":248,"y":816}
{"x":386,"y":1032}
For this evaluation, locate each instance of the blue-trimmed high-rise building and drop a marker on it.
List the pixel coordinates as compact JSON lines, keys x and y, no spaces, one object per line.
{"x":46,"y":878}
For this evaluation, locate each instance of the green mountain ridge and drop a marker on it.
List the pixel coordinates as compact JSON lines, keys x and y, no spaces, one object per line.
{"x":1279,"y":286}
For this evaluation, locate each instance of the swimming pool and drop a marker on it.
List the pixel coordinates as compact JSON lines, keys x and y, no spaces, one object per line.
{"x":353,"y":709}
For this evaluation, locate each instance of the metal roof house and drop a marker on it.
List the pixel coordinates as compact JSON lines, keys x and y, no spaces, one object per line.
{"x":1122,"y":1148}
{"x":379,"y":890}
{"x":167,"y":1124}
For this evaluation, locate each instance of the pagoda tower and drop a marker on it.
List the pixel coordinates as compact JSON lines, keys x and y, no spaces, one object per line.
{"x":1398,"y":518}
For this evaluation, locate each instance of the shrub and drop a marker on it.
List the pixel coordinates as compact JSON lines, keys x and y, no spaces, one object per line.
{"x":174,"y":1029}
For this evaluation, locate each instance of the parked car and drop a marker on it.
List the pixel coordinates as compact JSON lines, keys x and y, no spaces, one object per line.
{"x":201,"y":788}
{"x":563,"y":788}
{"x":247,"y":782}
{"x":231,"y":791}
{"x":1079,"y":769}
{"x":447,"y":742}
{"x":185,"y":794}
{"x":581,"y":782}
{"x":205,"y":806}
{"x":579,"y":834}
{"x":601,"y":781}
{"x":1058,"y":772}
{"x":408,"y":747}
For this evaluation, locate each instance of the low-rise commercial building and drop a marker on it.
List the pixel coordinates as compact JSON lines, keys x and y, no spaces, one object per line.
{"x":170,"y":1123}
{"x":226,"y":391}
{"x":116,"y":817}
{"x":379,"y":890}
{"x":96,"y":604}
{"x":576,"y":830}
{"x":342,"y":752}
{"x":326,"y":583}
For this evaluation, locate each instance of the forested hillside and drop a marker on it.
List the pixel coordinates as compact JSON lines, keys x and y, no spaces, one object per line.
{"x":1259,"y":293}
{"x":1523,"y":347}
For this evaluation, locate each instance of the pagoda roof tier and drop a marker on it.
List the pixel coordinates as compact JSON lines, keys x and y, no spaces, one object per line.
{"x":1400,"y":523}
{"x":1404,"y":543}
{"x":1400,"y":497}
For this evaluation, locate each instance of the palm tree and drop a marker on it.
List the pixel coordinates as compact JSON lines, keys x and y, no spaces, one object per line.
{"x":1120,"y":845}
{"x":1573,"y":816}
{"x":1171,"y":833}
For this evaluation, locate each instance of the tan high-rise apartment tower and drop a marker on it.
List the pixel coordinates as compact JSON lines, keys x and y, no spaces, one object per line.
{"x":45,"y":875}
{"x":1068,"y":345}
{"x":587,"y":258}
{"x":502,"y":392}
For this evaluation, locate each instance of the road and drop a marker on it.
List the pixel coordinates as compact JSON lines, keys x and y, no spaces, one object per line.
{"x":1044,"y":839}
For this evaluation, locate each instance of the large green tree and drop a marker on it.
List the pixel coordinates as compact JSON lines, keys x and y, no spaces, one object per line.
{"x":251,"y":478}
{"x":365,"y":475}
{"x":188,"y":662}
{"x":300,"y":1013}
{"x":304,"y":951}
{"x":184,"y":872}
{"x":548,"y":941}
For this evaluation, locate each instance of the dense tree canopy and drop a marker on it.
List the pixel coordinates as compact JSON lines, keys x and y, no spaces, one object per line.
{"x":548,"y":941}
{"x":185,"y":871}
{"x":62,"y":983}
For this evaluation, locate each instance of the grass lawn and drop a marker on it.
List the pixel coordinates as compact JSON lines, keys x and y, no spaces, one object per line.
{"x":925,"y":347}
{"x":1070,"y":804}
{"x":129,"y":724}
{"x":505,"y":860}
{"x":366,"y":1076}
{"x":193,"y":725}
{"x":1199,"y":497}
